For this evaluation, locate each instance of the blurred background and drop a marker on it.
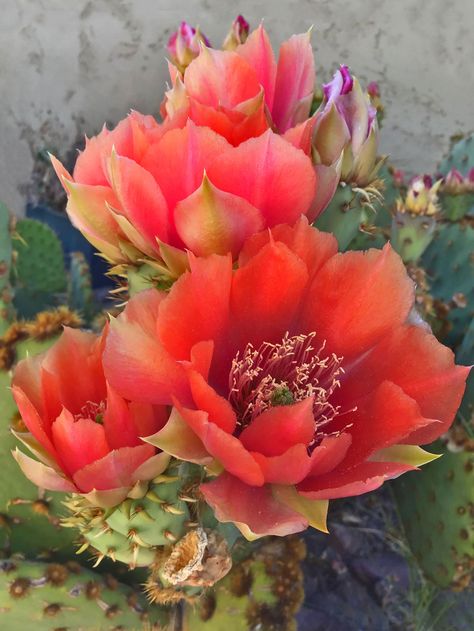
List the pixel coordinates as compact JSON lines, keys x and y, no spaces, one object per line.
{"x":66,"y":67}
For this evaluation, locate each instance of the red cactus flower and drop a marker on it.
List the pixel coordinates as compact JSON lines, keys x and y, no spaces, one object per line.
{"x":85,"y":436}
{"x":146,"y":190}
{"x":308,"y":382}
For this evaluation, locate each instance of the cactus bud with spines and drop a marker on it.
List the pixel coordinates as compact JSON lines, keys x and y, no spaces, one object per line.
{"x":457,"y":194}
{"x":238,"y":33}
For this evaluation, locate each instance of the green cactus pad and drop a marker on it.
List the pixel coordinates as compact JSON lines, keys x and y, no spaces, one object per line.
{"x":38,"y":272}
{"x":48,"y":597}
{"x":261,"y":592}
{"x":343,"y":216}
{"x":449,"y":263}
{"x":435,"y":507}
{"x":80,"y":293}
{"x":460,"y":157}
{"x":411,"y":235}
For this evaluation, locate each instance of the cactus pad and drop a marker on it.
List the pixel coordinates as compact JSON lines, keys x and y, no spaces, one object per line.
{"x":460,"y":157}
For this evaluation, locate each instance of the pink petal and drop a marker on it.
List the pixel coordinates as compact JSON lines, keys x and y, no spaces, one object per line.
{"x":41,"y":475}
{"x":253,"y":510}
{"x":257,"y":51}
{"x":33,"y":421}
{"x":119,"y":427}
{"x":281,"y":182}
{"x":294,"y":82}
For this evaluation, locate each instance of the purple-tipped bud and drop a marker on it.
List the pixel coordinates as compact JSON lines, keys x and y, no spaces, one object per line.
{"x":398,"y":177}
{"x":239,"y":31}
{"x":342,"y":83}
{"x":373,"y":90}
{"x":184,"y":45}
{"x":455,"y":183}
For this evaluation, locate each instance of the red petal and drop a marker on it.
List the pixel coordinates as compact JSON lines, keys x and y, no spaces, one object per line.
{"x":78,"y":442}
{"x":119,"y":428}
{"x":211,"y":221}
{"x":206,"y":398}
{"x":412,"y":358}
{"x":114,"y":470}
{"x":227,"y":449}
{"x":300,"y":136}
{"x":383,"y":418}
{"x":266,"y":313}
{"x":279,"y":428}
{"x":290,"y":467}
{"x":141,"y":199}
{"x":294,"y":82}
{"x":148,"y":419}
{"x":254,"y":508}
{"x":312,"y":246}
{"x":366,"y":477}
{"x":197,"y":307}
{"x":138,"y":366}
{"x":281,"y":182}
{"x":33,"y":420}
{"x":75,"y":364}
{"x":329,"y":454}
{"x":143,"y":311}
{"x":356,"y":299}
{"x":257,"y":51}
{"x":41,"y":475}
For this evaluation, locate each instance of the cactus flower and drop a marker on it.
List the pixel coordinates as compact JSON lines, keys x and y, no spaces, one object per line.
{"x":455,"y":183}
{"x":421,"y":197}
{"x":84,"y":435}
{"x":238,"y":34}
{"x":183,"y":45}
{"x":296,"y":378}
{"x":145,"y":191}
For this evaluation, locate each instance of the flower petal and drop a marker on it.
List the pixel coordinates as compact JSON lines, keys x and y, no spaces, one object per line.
{"x":115,"y":469}
{"x":290,"y":467}
{"x":363,"y":478}
{"x":119,"y":428}
{"x":356,"y":299}
{"x":279,"y":428}
{"x":79,"y":442}
{"x":294,"y":85}
{"x":281,"y":182}
{"x":329,"y":454}
{"x":257,"y":51}
{"x":315,"y":511}
{"x":33,"y":420}
{"x":253,"y":510}
{"x":206,"y":398}
{"x":41,"y":475}
{"x":212,"y":221}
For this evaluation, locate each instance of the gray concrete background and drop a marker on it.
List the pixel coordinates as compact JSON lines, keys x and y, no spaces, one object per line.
{"x":66,"y":66}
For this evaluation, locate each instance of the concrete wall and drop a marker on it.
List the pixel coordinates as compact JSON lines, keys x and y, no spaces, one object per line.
{"x":66,"y":66}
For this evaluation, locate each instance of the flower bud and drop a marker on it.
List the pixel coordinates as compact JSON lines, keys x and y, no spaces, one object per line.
{"x":183,"y":45}
{"x":238,"y":33}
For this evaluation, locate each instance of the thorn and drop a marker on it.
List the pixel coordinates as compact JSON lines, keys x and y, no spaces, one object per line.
{"x":170,"y":536}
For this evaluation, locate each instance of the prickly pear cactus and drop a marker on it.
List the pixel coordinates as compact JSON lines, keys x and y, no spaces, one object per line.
{"x":348,"y":209}
{"x":80,"y":293}
{"x":436,"y":512}
{"x":38,"y":272}
{"x":460,"y":157}
{"x":263,"y":591}
{"x":449,"y":263}
{"x":6,"y":294}
{"x":52,"y":596}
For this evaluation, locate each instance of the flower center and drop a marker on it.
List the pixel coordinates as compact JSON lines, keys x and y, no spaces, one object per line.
{"x":93,"y":411}
{"x":282,"y":374}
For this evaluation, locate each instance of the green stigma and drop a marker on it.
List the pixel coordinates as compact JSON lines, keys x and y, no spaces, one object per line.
{"x":282,"y":396}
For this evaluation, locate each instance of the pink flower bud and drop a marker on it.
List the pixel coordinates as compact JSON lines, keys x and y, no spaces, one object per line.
{"x":183,"y":45}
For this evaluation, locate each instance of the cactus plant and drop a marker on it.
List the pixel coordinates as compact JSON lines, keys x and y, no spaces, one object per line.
{"x":263,"y":591}
{"x":6,"y":295}
{"x":38,"y":271}
{"x":460,"y":157}
{"x":449,"y":263}
{"x":50,"y":596}
{"x":80,"y":293}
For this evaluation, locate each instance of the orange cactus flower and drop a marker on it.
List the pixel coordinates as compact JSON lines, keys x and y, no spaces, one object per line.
{"x":85,"y":436}
{"x":296,"y":378}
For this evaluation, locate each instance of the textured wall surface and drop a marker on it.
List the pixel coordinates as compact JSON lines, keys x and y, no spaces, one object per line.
{"x":66,"y":67}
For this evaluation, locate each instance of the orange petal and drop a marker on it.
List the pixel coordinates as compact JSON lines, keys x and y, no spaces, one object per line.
{"x":206,"y":398}
{"x":257,"y":51}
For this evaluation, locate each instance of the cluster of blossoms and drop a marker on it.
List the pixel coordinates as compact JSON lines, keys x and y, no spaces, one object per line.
{"x":290,"y":373}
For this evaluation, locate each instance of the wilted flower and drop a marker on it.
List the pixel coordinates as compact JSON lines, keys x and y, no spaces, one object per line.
{"x":183,"y":45}
{"x":84,"y":435}
{"x":239,"y":31}
{"x":307,"y":380}
{"x":148,"y":191}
